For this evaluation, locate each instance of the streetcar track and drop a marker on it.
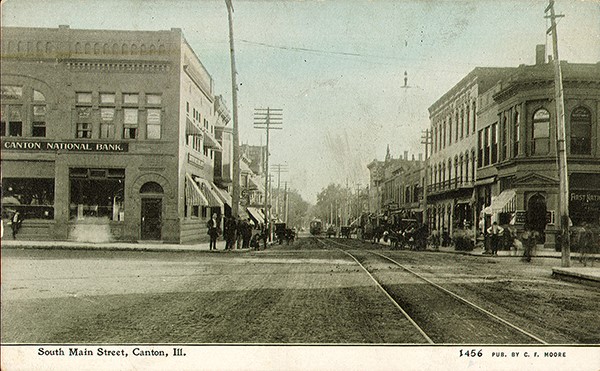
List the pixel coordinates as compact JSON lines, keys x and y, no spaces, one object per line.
{"x":387,"y":294}
{"x":438,"y":287}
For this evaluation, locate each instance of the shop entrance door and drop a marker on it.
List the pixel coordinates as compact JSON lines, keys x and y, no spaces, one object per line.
{"x":151,"y":218}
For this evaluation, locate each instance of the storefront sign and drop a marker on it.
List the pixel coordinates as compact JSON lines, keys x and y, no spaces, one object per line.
{"x":22,"y":145}
{"x":195,"y":161}
{"x":583,"y":196}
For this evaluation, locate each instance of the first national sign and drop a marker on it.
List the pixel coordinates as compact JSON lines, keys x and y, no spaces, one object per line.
{"x":22,"y":145}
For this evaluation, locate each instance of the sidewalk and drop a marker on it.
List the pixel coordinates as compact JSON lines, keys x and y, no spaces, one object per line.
{"x":117,"y":246}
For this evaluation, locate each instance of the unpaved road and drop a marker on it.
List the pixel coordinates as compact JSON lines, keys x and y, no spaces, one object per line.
{"x":300,"y":293}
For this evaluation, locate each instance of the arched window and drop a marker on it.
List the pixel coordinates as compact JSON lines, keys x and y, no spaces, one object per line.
{"x":540,"y":135}
{"x":581,"y":131}
{"x":151,"y":187}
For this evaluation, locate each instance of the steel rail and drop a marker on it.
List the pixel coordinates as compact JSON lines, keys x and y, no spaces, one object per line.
{"x":386,"y":293}
{"x":458,"y":297}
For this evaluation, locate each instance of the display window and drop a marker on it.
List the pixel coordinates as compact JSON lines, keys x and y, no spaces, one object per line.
{"x":32,"y":197}
{"x":97,"y":193}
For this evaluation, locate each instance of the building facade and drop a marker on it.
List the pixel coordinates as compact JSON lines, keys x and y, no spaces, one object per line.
{"x":521,"y":175}
{"x":110,"y":135}
{"x":396,"y":188}
{"x":452,"y":164}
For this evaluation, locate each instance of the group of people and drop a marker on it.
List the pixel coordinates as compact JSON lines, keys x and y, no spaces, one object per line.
{"x":237,"y":233}
{"x":526,"y":241}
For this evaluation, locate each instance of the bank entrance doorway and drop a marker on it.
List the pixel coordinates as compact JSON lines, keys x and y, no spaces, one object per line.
{"x":151,"y":218}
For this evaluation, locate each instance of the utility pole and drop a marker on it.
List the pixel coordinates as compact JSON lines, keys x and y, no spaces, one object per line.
{"x":358,"y":208}
{"x":235,"y":197}
{"x":285,"y":204}
{"x":560,"y":142}
{"x":279,"y":168}
{"x":426,"y":139}
{"x":265,"y":118}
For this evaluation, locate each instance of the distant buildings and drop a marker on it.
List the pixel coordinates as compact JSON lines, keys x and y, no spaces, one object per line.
{"x":396,"y":187}
{"x":111,"y":135}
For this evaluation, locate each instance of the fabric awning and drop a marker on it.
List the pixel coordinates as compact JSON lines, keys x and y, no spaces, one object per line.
{"x":505,"y":202}
{"x":253,"y":184}
{"x":193,"y":194}
{"x":255,"y":214}
{"x":224,"y":195}
{"x":211,"y":142}
{"x":485,"y":181}
{"x":191,"y":128}
{"x":208,"y":189}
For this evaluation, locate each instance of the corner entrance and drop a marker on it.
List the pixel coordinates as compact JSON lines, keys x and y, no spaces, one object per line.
{"x":151,"y":218}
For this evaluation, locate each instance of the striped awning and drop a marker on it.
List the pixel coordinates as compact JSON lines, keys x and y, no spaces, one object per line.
{"x":211,"y":142}
{"x":208,"y":190}
{"x":193,"y":194}
{"x":255,"y":214}
{"x":224,"y":195}
{"x":505,"y":202}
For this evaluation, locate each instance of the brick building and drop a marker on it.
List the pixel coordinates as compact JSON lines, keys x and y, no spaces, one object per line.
{"x":110,"y":135}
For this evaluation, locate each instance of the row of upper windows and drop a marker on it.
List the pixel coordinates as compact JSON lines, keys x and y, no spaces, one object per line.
{"x":458,"y":124}
{"x":14,"y":123}
{"x":196,"y":117}
{"x":497,"y":143}
{"x":463,"y":165}
{"x":111,"y":98}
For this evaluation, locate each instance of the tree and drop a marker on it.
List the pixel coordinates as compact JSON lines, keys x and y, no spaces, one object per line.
{"x":332,"y":205}
{"x":297,"y":209}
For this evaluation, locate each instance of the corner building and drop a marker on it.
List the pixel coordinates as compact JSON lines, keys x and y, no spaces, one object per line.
{"x":109,"y":135}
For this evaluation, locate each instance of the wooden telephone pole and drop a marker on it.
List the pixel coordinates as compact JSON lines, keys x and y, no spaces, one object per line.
{"x":560,"y":142}
{"x":268,"y":119}
{"x":235,"y":197}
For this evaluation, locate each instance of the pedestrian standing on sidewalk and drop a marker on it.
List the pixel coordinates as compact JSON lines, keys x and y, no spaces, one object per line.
{"x":495,"y":231}
{"x":16,"y":224}
{"x":239,"y":233}
{"x":213,"y":232}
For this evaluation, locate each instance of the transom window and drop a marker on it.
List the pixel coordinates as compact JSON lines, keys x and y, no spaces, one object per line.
{"x":84,"y":98}
{"x":130,"y":98}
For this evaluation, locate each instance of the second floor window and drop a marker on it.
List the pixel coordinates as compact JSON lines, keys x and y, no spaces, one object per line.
{"x":84,"y":130}
{"x":540,"y":134}
{"x":153,"y":124}
{"x":130,"y":123}
{"x":581,"y":131}
{"x":107,"y":123}
{"x":11,"y":121}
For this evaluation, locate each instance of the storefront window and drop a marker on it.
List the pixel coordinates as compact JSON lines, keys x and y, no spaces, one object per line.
{"x":32,"y":197}
{"x":97,"y":193}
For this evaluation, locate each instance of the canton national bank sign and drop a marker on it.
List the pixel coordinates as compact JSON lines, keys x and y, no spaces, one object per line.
{"x":22,"y":145}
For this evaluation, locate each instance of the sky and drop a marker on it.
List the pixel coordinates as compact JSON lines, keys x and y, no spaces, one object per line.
{"x":336,"y":67}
